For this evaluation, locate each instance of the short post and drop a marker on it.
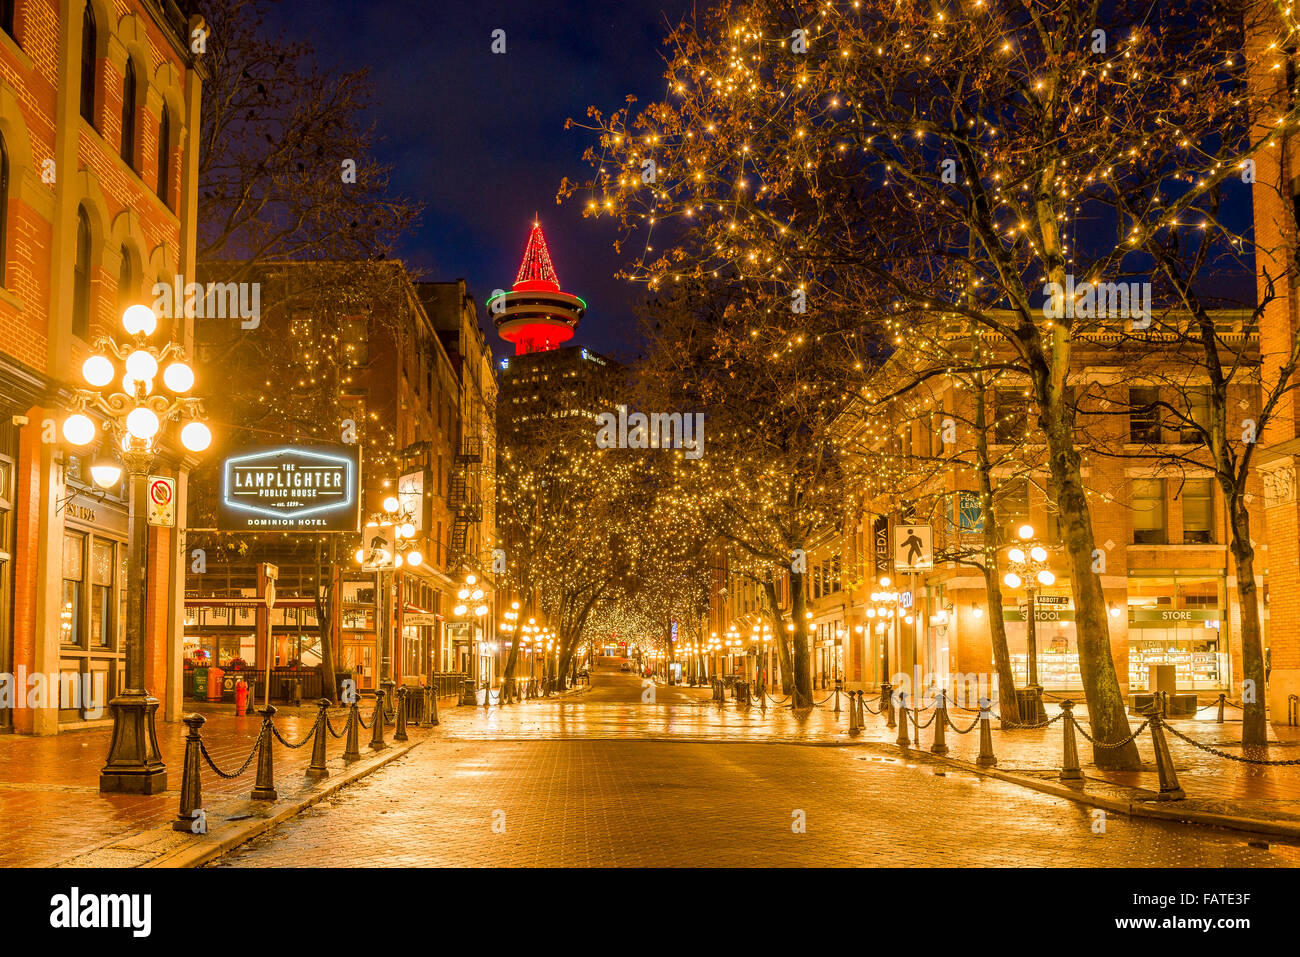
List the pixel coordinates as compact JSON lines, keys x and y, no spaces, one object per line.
{"x":940,"y":745}
{"x":903,"y":741}
{"x":377,"y":742}
{"x":1070,"y":756}
{"x":887,"y":703}
{"x":264,"y":786}
{"x":388,"y":684}
{"x":487,"y":697}
{"x":191,"y":785}
{"x":986,"y":758}
{"x":317,"y":770}
{"x":1293,"y":709}
{"x":862,"y":712}
{"x":351,"y":745}
{"x":1170,"y":790}
{"x":853,"y":714}
{"x":433,"y":707}
{"x":1222,"y":699}
{"x":837,"y":695}
{"x":762,"y":698}
{"x":400,"y":734}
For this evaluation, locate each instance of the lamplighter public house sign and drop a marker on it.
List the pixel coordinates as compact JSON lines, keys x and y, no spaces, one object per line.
{"x":292,"y":487}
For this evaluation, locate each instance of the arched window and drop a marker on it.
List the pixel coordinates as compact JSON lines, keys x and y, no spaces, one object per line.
{"x":81,"y":278}
{"x":128,"y":114}
{"x":164,"y":155}
{"x":89,"y":41}
{"x":4,"y":207}
{"x":126,"y":291}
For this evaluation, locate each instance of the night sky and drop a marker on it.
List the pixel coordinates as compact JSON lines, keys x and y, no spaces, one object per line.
{"x":479,"y":137}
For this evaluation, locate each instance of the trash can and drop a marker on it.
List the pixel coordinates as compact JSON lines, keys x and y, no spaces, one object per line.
{"x":214,"y":683}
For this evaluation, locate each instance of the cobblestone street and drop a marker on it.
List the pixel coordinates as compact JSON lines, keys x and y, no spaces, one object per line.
{"x":576,"y":783}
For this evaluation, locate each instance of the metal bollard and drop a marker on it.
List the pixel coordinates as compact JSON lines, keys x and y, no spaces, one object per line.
{"x":1070,"y":756}
{"x":487,"y":697}
{"x":317,"y":770}
{"x":862,"y":711}
{"x":854,"y":727}
{"x":762,"y":699}
{"x":837,"y":697}
{"x":1222,"y":698}
{"x":1293,"y":709}
{"x":264,"y":786}
{"x":903,"y":741}
{"x":191,"y":785}
{"x":1169,"y":787}
{"x":887,"y":703}
{"x":986,"y":758}
{"x":433,"y":707}
{"x":400,"y":734}
{"x":377,"y":742}
{"x":351,"y":746}
{"x":940,"y":745}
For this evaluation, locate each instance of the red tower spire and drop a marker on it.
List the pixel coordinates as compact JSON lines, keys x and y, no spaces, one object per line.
{"x":536,"y":271}
{"x":536,"y":315}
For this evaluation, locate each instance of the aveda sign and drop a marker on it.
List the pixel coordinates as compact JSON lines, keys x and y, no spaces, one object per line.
{"x":292,"y":487}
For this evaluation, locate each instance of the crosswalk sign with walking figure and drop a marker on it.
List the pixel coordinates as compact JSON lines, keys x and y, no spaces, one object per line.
{"x":913,"y":547}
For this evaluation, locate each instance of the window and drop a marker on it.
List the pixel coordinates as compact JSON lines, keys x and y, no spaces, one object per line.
{"x":125,"y":281}
{"x":1198,"y":410}
{"x":7,"y":17}
{"x":81,"y":278}
{"x":1149,"y":512}
{"x":128,"y":114}
{"x":1143,"y":419}
{"x":4,"y":202}
{"x":355,"y":342}
{"x":1011,"y":410}
{"x":101,"y":596}
{"x":74,"y":544}
{"x":164,"y":156}
{"x":1198,"y":511}
{"x":1011,"y":505}
{"x":89,"y":42}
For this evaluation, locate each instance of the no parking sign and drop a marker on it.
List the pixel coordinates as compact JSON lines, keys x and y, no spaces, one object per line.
{"x":160,"y":492}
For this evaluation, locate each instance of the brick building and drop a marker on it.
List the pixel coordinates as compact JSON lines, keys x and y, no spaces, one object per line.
{"x":344,"y":353}
{"x":99,"y":125}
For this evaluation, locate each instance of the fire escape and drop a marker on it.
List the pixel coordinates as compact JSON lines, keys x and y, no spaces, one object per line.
{"x":465,"y":498}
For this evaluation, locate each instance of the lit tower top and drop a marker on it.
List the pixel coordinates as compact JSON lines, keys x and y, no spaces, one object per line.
{"x":535,"y":315}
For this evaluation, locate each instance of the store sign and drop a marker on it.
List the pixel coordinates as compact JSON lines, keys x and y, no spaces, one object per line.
{"x":410,"y":495}
{"x":880,"y":540}
{"x":419,"y":618}
{"x":1040,"y":614}
{"x":970,"y":515}
{"x":1159,"y":616}
{"x":291,"y":487}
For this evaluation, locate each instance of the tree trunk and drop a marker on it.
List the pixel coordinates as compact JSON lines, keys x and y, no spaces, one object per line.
{"x":1254,"y":722}
{"x":782,"y":645}
{"x":1008,"y":705}
{"x":802,"y":662}
{"x":1106,"y":712}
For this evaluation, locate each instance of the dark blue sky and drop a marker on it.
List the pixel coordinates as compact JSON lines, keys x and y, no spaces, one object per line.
{"x":480,"y":139}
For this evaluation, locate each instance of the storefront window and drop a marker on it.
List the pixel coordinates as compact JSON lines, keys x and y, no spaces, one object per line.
{"x":101,"y":597}
{"x":74,"y":544}
{"x":1177,"y":621}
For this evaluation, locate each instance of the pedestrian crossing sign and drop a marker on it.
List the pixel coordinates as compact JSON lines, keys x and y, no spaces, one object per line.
{"x":913,"y":547}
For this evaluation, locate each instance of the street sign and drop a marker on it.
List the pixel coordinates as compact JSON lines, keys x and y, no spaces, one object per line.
{"x":272,"y":572}
{"x":913,"y":547}
{"x":161,"y":509}
{"x":379,"y":547}
{"x":905,"y":599}
{"x":270,"y":594}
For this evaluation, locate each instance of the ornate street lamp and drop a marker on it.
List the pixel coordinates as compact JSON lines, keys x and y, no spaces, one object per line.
{"x":1028,"y":567}
{"x":136,"y":411}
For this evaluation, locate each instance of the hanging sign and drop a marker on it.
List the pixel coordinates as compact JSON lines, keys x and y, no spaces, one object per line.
{"x":161,"y":498}
{"x":293,"y":488}
{"x":880,"y":542}
{"x":913,"y":547}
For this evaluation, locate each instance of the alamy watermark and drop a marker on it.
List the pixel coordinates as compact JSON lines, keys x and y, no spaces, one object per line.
{"x":58,"y":689}
{"x":216,"y":300}
{"x":1101,"y":300}
{"x":656,"y":430}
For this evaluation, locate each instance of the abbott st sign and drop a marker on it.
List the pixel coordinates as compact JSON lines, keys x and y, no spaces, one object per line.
{"x":291,"y":488}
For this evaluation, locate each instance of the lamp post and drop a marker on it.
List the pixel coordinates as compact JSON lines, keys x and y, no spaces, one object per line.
{"x":136,"y":411}
{"x":385,"y":556}
{"x":1027,"y":567}
{"x":885,"y":612}
{"x":471,"y":592}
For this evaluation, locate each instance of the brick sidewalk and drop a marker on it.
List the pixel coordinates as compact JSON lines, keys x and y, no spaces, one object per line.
{"x":51,"y":810}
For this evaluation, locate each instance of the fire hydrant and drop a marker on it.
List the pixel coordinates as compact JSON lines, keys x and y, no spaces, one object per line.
{"x":241,"y":697}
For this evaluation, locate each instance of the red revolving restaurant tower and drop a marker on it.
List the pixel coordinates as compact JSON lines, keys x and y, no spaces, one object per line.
{"x":535,"y":315}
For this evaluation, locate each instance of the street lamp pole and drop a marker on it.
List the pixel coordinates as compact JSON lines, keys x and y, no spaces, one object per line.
{"x":1028,"y":566}
{"x":136,"y":415}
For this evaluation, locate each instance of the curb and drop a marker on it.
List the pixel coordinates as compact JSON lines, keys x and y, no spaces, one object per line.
{"x":1162,"y":812}
{"x":218,"y":842}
